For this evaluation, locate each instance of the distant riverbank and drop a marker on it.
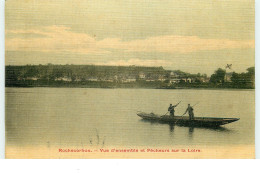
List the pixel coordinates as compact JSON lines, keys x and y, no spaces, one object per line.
{"x":89,"y":76}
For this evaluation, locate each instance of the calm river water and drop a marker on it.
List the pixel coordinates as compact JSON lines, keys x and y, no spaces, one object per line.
{"x":77,"y":117}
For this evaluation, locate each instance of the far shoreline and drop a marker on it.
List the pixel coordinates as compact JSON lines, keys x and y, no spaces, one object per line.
{"x":178,"y":88}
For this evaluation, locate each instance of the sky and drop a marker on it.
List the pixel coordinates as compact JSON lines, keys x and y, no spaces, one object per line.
{"x":196,"y":36}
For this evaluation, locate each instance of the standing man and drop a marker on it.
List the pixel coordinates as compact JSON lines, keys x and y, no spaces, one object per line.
{"x":190,"y":110}
{"x":171,"y":109}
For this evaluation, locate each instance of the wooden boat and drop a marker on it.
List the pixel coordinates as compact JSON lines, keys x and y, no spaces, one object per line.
{"x":184,"y":120}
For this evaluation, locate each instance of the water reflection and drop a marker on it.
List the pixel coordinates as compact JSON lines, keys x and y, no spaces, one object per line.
{"x":171,"y":127}
{"x":190,"y":128}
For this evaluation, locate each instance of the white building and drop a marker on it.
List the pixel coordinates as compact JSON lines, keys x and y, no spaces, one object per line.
{"x":149,"y":80}
{"x":92,"y":79}
{"x":67,"y":79}
{"x":142,"y":75}
{"x":128,"y":80}
{"x":175,"y":80}
{"x":228,"y":77}
{"x":161,"y":78}
{"x":108,"y":80}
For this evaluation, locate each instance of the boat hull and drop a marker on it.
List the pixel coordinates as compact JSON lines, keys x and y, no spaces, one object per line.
{"x":185,"y":121}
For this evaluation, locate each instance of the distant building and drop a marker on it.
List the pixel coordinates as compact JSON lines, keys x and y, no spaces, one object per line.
{"x":203,"y":79}
{"x":150,"y":80}
{"x":161,"y":78}
{"x":77,"y":79}
{"x":189,"y":80}
{"x":128,"y":80}
{"x":228,"y":77}
{"x":32,"y":78}
{"x":94,"y":79}
{"x":142,"y":75}
{"x":175,"y":80}
{"x":58,"y":79}
{"x":173,"y":74}
{"x":108,"y":80}
{"x":67,"y":79}
{"x":116,"y":77}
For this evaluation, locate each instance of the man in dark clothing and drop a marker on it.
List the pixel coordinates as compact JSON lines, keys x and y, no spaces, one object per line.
{"x":171,"y":109}
{"x":190,"y":110}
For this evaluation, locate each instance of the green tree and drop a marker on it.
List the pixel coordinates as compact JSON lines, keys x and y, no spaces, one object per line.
{"x":218,"y":76}
{"x":244,"y":80}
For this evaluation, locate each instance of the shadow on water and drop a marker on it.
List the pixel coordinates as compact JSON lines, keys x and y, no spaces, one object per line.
{"x":191,"y":128}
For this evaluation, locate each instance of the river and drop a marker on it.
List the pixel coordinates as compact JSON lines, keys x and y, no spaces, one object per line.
{"x":84,"y":117}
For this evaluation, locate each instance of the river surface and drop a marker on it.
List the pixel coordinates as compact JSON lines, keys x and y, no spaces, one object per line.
{"x":82,"y":117}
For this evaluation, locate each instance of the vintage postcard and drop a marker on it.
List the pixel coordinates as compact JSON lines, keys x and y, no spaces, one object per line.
{"x":130,"y":79}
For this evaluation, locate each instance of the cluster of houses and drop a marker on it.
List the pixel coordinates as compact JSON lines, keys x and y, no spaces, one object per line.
{"x":177,"y":78}
{"x":171,"y":77}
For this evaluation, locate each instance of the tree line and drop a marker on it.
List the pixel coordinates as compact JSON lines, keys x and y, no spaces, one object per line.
{"x":233,"y":79}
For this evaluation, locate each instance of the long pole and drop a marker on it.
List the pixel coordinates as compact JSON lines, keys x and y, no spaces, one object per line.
{"x":168,"y":111}
{"x":195,"y":104}
{"x":184,"y":113}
